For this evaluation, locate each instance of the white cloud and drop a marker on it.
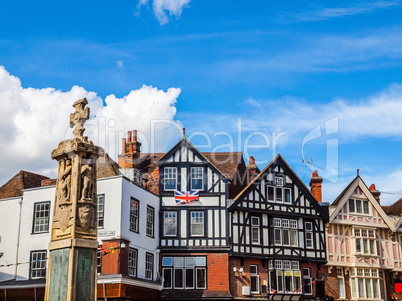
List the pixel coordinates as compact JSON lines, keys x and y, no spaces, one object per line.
{"x":34,"y":121}
{"x":162,"y":7}
{"x":120,"y":65}
{"x":336,"y":12}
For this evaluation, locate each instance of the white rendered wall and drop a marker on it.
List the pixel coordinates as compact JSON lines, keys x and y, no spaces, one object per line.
{"x":28,"y":240}
{"x":9,"y":219}
{"x":140,"y":240}
{"x":112,"y":189}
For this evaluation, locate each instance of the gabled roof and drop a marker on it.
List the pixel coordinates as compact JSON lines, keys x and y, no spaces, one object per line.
{"x":279,"y":161}
{"x":22,"y":180}
{"x":347,"y":192}
{"x":225,"y":163}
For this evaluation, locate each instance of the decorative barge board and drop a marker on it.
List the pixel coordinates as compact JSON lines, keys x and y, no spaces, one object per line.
{"x":278,"y":235}
{"x":360,"y":240}
{"x":194,"y":233}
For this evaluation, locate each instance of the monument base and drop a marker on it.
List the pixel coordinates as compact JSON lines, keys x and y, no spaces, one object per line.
{"x":76,"y":255}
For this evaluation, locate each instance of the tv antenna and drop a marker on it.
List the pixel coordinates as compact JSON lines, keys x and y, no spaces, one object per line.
{"x":308,"y":163}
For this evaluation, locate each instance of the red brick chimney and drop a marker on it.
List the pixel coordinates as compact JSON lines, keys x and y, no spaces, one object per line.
{"x":131,"y":150}
{"x":315,"y":184}
{"x":376,"y":194}
{"x":252,"y":169}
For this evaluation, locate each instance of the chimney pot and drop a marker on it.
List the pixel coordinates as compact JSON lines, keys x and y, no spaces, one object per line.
{"x":251,"y":160}
{"x":134,"y":135}
{"x":315,"y":184}
{"x":130,"y":148}
{"x":376,"y":194}
{"x":129,"y":136}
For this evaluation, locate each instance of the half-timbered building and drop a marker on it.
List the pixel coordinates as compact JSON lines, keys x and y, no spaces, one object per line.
{"x":194,"y":230}
{"x":277,"y":236}
{"x":360,"y":245}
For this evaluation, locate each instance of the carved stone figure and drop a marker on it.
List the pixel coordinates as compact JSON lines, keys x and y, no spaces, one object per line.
{"x":65,"y":183}
{"x":87,"y":181}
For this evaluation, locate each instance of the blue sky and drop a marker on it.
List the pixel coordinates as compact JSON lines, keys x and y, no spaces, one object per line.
{"x":280,"y":66}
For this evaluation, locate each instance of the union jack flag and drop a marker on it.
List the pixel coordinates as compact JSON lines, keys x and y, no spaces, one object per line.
{"x":186,"y":197}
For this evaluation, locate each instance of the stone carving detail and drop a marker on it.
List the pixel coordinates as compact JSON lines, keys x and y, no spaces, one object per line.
{"x":79,"y":117}
{"x":75,"y":201}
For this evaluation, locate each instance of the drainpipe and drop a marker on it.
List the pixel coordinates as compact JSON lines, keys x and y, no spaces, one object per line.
{"x":18,"y":240}
{"x":104,"y":292}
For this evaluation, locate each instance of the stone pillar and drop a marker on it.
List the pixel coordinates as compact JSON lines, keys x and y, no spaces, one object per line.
{"x":71,"y":274}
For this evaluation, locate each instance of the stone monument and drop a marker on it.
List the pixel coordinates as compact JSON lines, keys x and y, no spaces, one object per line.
{"x":71,"y":274}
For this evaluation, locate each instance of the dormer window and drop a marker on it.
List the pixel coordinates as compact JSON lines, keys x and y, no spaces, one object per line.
{"x":170,"y":178}
{"x":196,"y":178}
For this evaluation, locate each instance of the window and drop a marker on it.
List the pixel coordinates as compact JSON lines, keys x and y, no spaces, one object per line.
{"x":150,"y":221}
{"x":101,"y":209}
{"x":254,"y":280}
{"x":287,"y":195}
{"x":367,"y":284}
{"x":271,"y":194}
{"x":307,"y":282}
{"x":283,"y":235}
{"x":255,"y":230}
{"x":196,"y":178}
{"x":149,"y":266}
{"x":99,"y":260}
{"x":134,"y":212}
{"x":365,"y":241}
{"x":170,"y":175}
{"x":284,"y":276}
{"x":365,"y":207}
{"x":132,"y":262}
{"x":351,"y":205}
{"x":359,"y":206}
{"x":184,"y":272}
{"x":197,"y":223}
{"x":38,"y":264}
{"x":41,"y":217}
{"x":170,"y":223}
{"x":279,"y":181}
{"x":341,"y":283}
{"x":278,"y":193}
{"x":309,"y":234}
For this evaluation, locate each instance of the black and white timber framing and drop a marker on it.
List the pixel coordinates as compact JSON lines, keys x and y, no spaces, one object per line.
{"x":211,"y":207}
{"x":271,"y":216}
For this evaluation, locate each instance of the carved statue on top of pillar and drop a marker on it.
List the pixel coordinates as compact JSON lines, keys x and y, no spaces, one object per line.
{"x":75,"y":208}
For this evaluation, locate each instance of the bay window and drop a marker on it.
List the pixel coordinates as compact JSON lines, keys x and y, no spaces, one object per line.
{"x":184,"y":272}
{"x":367,"y":283}
{"x":284,"y":276}
{"x":365,"y":241}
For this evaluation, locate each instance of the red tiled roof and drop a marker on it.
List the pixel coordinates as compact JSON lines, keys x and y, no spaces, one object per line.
{"x":22,"y":180}
{"x":394,"y":209}
{"x":106,"y":167}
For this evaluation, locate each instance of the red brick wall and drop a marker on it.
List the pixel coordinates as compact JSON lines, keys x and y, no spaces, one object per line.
{"x":217,"y":278}
{"x":237,"y":282}
{"x":218,"y":271}
{"x":153,"y":181}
